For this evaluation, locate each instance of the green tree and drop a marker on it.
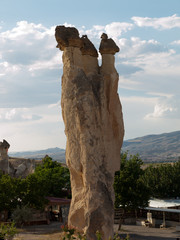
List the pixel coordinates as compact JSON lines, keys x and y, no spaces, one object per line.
{"x":163,"y":180}
{"x":55,"y":178}
{"x":10,"y":192}
{"x":35,"y":192}
{"x":130,"y":189}
{"x":49,"y":179}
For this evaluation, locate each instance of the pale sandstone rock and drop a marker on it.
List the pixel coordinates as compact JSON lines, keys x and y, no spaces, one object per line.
{"x":94,"y":128}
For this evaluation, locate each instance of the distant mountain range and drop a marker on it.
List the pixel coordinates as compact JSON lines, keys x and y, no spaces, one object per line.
{"x":57,"y":154}
{"x":151,"y":148}
{"x":155,"y":148}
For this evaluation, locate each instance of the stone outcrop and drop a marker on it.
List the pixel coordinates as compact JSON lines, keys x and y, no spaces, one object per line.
{"x":22,"y":167}
{"x":94,"y":128}
{"x":4,"y":165}
{"x":15,"y":167}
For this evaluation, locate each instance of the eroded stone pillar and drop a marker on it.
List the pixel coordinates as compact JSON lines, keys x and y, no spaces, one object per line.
{"x":4,"y":164}
{"x":94,"y":129}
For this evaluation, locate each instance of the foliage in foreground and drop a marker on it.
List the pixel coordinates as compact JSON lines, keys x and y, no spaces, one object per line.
{"x":71,"y":233}
{"x":7,"y":230}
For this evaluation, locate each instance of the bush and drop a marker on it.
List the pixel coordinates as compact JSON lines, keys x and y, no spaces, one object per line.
{"x":7,"y":231}
{"x":22,"y":215}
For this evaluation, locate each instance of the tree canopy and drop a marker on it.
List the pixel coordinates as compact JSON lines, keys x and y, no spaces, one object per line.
{"x":163,"y":180}
{"x":133,"y":186}
{"x":49,"y":179}
{"x":130,"y":190}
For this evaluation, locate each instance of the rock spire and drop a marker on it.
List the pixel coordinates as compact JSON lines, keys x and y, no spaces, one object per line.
{"x":94,"y":129}
{"x":4,"y":164}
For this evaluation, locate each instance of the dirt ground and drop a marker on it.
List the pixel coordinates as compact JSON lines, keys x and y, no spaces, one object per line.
{"x":52,"y":232}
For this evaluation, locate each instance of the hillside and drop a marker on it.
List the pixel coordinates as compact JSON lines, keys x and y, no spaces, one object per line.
{"x":151,"y":148}
{"x":155,"y":148}
{"x":56,"y":154}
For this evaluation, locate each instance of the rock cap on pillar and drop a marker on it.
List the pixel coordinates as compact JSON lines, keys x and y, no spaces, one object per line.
{"x":107,"y":45}
{"x":88,"y":48}
{"x":69,"y":37}
{"x":4,"y":144}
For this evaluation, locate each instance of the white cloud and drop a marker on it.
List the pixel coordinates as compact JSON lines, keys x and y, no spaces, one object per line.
{"x":160,"y":110}
{"x":177,"y":42}
{"x":166,"y":95}
{"x":165,"y":107}
{"x":115,"y":29}
{"x":158,"y":23}
{"x":17,"y":115}
{"x":33,"y":128}
{"x":30,"y":75}
{"x":148,"y":65}
{"x":26,"y":43}
{"x":23,"y":29}
{"x":135,"y":47}
{"x":127,"y":83}
{"x":30,"y":66}
{"x":143,"y":117}
{"x":92,"y":33}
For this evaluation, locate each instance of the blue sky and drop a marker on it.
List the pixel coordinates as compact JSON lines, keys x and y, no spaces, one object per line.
{"x":148,"y":34}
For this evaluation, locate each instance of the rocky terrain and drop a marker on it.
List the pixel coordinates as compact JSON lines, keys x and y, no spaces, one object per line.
{"x":21,"y":167}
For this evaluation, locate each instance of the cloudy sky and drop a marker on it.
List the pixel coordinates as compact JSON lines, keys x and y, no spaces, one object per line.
{"x":148,"y":34}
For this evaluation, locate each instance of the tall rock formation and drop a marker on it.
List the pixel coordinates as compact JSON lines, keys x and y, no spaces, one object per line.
{"x":4,"y":164}
{"x":94,"y":128}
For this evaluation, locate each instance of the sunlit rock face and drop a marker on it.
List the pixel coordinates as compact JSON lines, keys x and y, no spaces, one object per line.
{"x":94,"y":129}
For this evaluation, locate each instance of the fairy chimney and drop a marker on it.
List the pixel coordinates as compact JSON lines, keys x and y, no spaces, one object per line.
{"x":94,"y":128}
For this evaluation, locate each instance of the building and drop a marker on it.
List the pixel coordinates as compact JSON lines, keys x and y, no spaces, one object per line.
{"x":163,"y":212}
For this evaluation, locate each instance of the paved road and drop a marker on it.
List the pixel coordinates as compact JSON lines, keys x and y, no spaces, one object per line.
{"x":145,"y":233}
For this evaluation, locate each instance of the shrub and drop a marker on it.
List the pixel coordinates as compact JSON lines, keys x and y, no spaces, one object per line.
{"x":22,"y":215}
{"x":7,"y":231}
